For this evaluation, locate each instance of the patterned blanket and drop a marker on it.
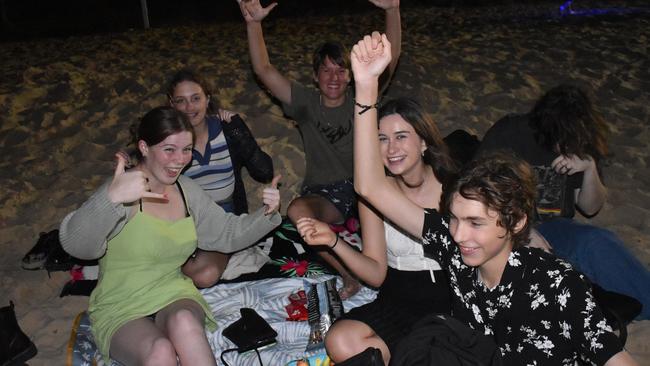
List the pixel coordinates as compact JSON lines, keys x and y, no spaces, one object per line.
{"x":267,"y":292}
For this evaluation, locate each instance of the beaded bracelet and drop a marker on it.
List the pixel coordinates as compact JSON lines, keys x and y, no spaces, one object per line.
{"x":365,"y":108}
{"x":336,"y":242}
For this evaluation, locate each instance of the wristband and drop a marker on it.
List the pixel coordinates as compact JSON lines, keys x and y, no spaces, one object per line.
{"x":336,"y":242}
{"x":365,"y":108}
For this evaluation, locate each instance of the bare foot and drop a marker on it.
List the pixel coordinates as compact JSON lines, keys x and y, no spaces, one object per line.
{"x":350,"y":287}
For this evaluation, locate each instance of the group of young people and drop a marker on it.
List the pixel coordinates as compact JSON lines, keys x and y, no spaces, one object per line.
{"x":437,"y":237}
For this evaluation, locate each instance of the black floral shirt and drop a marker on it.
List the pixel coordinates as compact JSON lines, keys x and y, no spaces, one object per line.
{"x":541,"y":313}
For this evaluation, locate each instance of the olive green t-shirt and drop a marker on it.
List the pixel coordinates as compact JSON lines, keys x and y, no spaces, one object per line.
{"x":327,"y":134}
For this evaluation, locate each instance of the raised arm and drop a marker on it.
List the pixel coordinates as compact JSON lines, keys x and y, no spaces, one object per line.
{"x":394,"y":35}
{"x":371,"y":264}
{"x":369,"y":58}
{"x":85,"y":231}
{"x":254,"y":13}
{"x":591,"y":196}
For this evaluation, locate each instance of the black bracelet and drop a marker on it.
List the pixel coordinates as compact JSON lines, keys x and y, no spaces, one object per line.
{"x":336,"y":242}
{"x":365,"y":108}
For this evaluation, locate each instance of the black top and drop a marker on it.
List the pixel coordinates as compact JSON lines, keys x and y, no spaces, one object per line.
{"x":245,"y":152}
{"x":555,"y":191}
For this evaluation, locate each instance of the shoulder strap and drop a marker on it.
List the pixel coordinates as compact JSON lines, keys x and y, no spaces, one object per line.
{"x":180,"y":190}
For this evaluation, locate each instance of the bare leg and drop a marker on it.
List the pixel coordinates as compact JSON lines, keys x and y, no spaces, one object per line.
{"x":321,"y":209}
{"x":141,"y":342}
{"x":182,"y":321}
{"x":347,"y":338}
{"x":205,"y":268}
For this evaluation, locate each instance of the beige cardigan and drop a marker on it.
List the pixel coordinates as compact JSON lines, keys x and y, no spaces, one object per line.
{"x":85,"y":231}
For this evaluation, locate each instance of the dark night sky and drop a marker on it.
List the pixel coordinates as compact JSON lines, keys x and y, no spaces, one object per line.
{"x":39,"y":18}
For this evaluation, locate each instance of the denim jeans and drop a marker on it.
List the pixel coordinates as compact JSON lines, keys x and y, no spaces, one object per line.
{"x":601,"y":256}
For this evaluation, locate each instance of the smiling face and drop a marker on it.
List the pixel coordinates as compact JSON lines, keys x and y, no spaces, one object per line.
{"x":482,"y":241}
{"x":165,"y":160}
{"x":332,"y":82}
{"x":190,"y":99}
{"x":401,"y":147}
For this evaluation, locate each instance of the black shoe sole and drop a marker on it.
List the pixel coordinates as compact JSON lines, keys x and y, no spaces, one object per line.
{"x":19,"y":359}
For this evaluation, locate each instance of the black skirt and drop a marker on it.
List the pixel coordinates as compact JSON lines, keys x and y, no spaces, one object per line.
{"x":403,"y":299}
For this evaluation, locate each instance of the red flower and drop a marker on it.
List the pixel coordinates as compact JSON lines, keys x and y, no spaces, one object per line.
{"x":299,"y":267}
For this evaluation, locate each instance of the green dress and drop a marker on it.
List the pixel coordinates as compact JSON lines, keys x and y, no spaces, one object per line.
{"x":141,"y":274}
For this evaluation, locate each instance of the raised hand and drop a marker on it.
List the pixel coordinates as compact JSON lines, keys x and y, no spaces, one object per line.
{"x":271,"y":196}
{"x":571,"y":164}
{"x":129,"y":186}
{"x":315,"y":232}
{"x":385,"y":4}
{"x":126,"y":157}
{"x":253,"y":11}
{"x":370,"y":57}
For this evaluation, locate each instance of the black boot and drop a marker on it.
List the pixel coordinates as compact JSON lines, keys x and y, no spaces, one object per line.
{"x":15,"y":346}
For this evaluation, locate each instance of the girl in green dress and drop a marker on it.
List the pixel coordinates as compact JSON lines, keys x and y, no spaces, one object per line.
{"x":143,"y":224}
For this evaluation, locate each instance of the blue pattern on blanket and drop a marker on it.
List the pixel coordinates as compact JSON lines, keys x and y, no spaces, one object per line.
{"x":268,"y":297}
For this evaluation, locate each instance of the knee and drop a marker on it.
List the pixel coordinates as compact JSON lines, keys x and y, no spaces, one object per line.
{"x":161,"y":352}
{"x":296,"y":209}
{"x":347,"y":338}
{"x":185,"y":321}
{"x":207,"y":276}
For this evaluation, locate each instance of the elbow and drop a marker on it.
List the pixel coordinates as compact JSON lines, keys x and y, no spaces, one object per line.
{"x":364,"y":190}
{"x":262,"y":70}
{"x":79,"y":253}
{"x":590,"y":211}
{"x":376,"y":282}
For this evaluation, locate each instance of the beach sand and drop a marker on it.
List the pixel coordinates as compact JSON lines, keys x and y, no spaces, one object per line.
{"x":66,"y":105}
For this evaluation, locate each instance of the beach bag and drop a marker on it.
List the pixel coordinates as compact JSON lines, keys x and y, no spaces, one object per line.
{"x":443,"y":340}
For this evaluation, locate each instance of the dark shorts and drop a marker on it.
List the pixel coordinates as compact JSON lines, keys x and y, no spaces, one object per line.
{"x":404,"y":298}
{"x":340,"y":193}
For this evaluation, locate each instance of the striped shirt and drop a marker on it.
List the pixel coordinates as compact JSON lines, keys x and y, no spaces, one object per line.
{"x":214,"y":170}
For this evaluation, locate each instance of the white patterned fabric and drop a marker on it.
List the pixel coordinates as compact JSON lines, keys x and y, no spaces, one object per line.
{"x":268,"y":297}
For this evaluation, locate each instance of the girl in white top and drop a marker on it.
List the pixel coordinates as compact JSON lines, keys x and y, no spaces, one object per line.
{"x":410,"y":285}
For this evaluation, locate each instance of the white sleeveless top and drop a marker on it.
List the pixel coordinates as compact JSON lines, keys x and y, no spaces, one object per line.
{"x":405,"y":253}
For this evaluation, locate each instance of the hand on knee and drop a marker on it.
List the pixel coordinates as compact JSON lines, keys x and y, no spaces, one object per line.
{"x":162,"y":353}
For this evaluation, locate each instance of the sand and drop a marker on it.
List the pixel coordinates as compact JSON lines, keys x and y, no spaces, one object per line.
{"x":66,"y":105}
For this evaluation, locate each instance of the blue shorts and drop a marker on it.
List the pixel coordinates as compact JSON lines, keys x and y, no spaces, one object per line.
{"x":340,"y":193}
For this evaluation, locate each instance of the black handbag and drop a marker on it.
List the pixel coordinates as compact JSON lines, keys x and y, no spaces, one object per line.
{"x":250,"y":332}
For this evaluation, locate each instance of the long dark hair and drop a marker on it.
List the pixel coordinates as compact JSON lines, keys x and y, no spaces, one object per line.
{"x":566,"y":117}
{"x":190,"y":75}
{"x":158,"y":124}
{"x":437,"y":153}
